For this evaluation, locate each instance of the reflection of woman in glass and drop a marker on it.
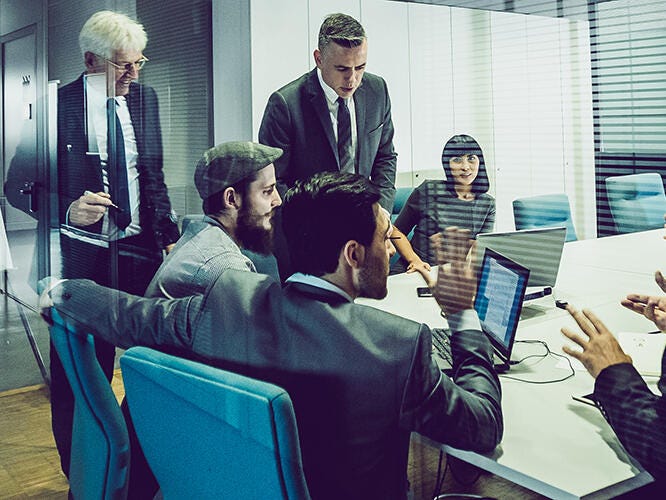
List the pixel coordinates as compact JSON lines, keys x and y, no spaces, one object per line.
{"x":461,"y":200}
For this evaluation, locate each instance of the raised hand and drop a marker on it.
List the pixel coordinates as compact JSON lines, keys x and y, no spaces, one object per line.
{"x":600,"y":348}
{"x":456,"y":280}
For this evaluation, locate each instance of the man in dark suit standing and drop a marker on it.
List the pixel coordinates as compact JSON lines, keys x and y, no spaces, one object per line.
{"x":114,"y":209}
{"x":360,"y":379}
{"x":336,"y":117}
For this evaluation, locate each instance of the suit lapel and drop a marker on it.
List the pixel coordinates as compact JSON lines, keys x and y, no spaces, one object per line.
{"x":360,"y":103}
{"x":318,"y":101}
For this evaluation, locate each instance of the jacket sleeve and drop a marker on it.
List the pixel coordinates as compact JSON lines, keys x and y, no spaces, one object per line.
{"x":274,"y":131}
{"x":384,"y":165}
{"x":154,"y":194}
{"x":635,"y":413}
{"x":148,"y":322}
{"x":465,"y":412}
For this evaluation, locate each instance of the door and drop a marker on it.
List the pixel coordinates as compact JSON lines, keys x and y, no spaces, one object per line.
{"x":26,"y":206}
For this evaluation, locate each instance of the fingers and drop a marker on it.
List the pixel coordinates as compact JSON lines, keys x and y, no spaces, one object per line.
{"x":457,"y":243}
{"x":573,"y":336}
{"x":437,"y":243}
{"x":633,"y":305}
{"x":586,"y":320}
{"x":660,"y":280}
{"x":99,"y":198}
{"x":572,"y":352}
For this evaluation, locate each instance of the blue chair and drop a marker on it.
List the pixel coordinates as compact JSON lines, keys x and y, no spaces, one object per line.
{"x":209,"y":433}
{"x":637,"y":202}
{"x":100,"y":456}
{"x":401,"y":196}
{"x":548,"y":210}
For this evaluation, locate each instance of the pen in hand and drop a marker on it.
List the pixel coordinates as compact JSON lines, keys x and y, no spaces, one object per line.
{"x":86,"y":193}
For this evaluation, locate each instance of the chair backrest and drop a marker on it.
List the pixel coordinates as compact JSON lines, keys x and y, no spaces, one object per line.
{"x":637,"y":202}
{"x":209,"y":433}
{"x":401,"y":195}
{"x":100,"y":454}
{"x":548,"y":210}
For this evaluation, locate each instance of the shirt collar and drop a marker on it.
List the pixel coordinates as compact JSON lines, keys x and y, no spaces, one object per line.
{"x":331,"y":95}
{"x":317,"y":282}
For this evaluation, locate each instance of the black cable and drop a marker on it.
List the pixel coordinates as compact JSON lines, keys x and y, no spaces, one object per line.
{"x":542,"y":356}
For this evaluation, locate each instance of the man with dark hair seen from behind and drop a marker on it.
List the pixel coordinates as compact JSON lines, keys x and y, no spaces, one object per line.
{"x":236,"y":181}
{"x":114,"y":207}
{"x":360,"y":379}
{"x":334,"y":118}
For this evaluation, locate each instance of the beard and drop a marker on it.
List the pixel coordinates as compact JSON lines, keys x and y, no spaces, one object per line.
{"x":372,"y":278}
{"x":251,"y":233}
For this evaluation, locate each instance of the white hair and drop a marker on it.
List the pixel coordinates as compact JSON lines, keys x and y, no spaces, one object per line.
{"x":107,"y":32}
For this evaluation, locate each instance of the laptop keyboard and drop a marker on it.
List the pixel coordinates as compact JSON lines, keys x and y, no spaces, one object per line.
{"x":441,"y":343}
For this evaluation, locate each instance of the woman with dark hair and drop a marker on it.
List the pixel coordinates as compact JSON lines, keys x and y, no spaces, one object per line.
{"x":461,"y":200}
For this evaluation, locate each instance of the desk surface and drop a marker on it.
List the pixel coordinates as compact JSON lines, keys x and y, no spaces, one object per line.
{"x":552,"y":444}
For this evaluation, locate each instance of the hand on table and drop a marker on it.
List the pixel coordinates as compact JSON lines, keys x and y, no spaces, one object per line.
{"x":600,"y":348}
{"x":423,"y":268}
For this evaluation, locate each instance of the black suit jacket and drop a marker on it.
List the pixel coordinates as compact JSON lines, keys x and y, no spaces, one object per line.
{"x":637,"y":415}
{"x":78,"y":171}
{"x":297,"y":120}
{"x":360,"y":379}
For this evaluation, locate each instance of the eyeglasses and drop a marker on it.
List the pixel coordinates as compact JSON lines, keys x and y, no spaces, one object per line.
{"x":130,"y":65}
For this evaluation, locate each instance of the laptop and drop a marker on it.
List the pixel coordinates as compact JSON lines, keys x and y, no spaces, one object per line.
{"x":539,"y":250}
{"x":499,"y":300}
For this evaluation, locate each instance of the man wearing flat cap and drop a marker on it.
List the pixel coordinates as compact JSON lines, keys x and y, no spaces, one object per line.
{"x":236,"y":181}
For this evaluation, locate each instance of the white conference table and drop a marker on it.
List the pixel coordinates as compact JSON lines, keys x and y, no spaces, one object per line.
{"x":552,"y":444}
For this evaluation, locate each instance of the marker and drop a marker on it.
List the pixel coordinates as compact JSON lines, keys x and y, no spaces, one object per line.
{"x":86,"y":193}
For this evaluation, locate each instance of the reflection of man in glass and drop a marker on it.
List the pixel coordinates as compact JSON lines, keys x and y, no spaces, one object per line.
{"x":115,"y":213}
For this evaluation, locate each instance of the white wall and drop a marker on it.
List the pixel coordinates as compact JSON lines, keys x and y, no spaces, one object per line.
{"x":521,"y":85}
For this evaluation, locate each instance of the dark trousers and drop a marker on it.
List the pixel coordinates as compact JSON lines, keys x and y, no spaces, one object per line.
{"x":137,"y":261}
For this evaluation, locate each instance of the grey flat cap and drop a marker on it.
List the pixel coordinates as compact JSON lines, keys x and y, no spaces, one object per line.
{"x":230,"y":162}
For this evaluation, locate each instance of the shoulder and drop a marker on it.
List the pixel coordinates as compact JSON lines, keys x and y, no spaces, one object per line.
{"x":296,"y":87}
{"x":486,"y":199}
{"x":387,"y":324}
{"x":140,"y":91}
{"x":72,"y":89}
{"x":435,"y":187}
{"x":374,"y":82}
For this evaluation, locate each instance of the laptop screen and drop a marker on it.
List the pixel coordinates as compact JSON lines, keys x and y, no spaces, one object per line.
{"x":499,"y":299}
{"x":539,"y":250}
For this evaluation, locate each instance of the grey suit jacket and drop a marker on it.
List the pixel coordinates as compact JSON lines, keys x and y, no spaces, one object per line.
{"x":360,"y":379}
{"x":297,"y":120}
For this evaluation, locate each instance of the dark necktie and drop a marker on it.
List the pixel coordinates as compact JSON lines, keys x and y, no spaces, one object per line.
{"x":117,"y":167}
{"x":345,"y":153}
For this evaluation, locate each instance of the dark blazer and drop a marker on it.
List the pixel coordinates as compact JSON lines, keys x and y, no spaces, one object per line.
{"x":636,"y":414}
{"x":360,"y":379}
{"x":297,"y":120}
{"x":78,"y":172}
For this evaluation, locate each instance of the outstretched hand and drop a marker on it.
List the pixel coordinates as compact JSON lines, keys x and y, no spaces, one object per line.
{"x":600,"y":348}
{"x":456,"y":280}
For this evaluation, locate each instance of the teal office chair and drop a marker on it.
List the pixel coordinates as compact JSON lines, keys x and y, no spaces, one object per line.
{"x":401,"y":195}
{"x":637,"y":202}
{"x":209,"y":433}
{"x":100,"y":454}
{"x":548,"y":210}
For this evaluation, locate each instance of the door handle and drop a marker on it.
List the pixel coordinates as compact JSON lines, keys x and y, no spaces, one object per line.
{"x":30,"y":189}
